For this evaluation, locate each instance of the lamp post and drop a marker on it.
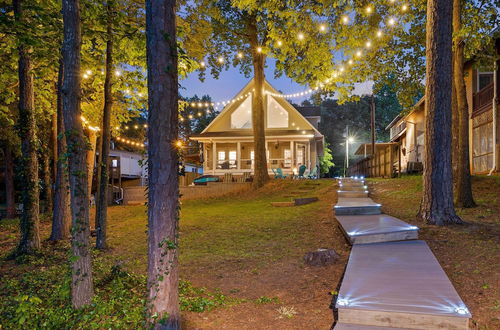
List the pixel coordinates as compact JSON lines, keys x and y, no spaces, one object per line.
{"x":347,"y":141}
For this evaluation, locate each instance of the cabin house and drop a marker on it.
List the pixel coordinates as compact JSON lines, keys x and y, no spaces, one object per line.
{"x":292,"y":137}
{"x":407,"y":131}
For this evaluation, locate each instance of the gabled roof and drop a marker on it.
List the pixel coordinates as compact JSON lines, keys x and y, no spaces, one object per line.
{"x":402,"y":116}
{"x":214,"y":130}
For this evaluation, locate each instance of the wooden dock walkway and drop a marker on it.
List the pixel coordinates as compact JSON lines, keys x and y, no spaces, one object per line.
{"x":392,"y":280}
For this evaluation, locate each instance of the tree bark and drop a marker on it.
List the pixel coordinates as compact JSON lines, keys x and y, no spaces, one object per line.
{"x":261,"y":175}
{"x":103,"y":169}
{"x":10,"y":191}
{"x":463,"y":186}
{"x":437,"y":198}
{"x":90,"y":158}
{"x":81,"y":281}
{"x":30,"y":232}
{"x":61,"y":214}
{"x":163,"y":197}
{"x":47,"y":182}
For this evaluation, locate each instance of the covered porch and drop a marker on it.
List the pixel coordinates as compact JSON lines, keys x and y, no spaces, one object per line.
{"x":237,"y":157}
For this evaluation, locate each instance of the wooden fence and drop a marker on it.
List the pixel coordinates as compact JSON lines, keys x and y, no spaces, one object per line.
{"x":385,"y":163}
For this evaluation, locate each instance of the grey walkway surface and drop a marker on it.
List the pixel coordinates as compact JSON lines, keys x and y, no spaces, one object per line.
{"x":375,"y":228}
{"x":395,"y":278}
{"x":356,"y":205}
{"x":392,"y":280}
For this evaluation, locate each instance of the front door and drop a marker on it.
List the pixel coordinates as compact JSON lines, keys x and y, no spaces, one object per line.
{"x":301,"y":154}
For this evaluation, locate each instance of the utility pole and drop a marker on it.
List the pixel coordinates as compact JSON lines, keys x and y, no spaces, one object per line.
{"x":372,"y":123}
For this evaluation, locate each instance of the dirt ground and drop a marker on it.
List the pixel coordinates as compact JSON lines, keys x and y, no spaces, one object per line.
{"x":470,"y":253}
{"x":253,"y":252}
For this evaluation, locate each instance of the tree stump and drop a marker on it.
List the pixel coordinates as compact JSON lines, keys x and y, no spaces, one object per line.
{"x":321,"y":257}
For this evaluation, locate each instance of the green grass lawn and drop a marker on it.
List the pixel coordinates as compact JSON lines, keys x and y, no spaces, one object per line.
{"x":236,"y":236}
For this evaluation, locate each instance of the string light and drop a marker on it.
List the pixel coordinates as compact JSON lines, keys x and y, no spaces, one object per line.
{"x":130,"y":142}
{"x":202,"y":64}
{"x":345,"y":19}
{"x":279,"y":43}
{"x":404,"y":8}
{"x":300,"y":36}
{"x":368,"y":44}
{"x":240,"y":55}
{"x":220,"y":59}
{"x":391,"y":21}
{"x":369,"y":10}
{"x":379,"y":33}
{"x":89,"y":72}
{"x":322,"y":27}
{"x":259,"y":49}
{"x":118,"y":73}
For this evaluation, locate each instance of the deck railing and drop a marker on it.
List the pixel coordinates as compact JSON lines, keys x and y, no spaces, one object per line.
{"x":482,"y":99}
{"x":396,"y":129}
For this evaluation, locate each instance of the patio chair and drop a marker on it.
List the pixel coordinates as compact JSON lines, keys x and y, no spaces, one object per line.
{"x":279,"y":174}
{"x":313,"y":174}
{"x":302,"y":169}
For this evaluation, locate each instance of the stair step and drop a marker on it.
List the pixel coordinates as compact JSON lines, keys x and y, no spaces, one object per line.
{"x":356,"y":206}
{"x":353,"y":188}
{"x":362,"y":229}
{"x":399,"y":284}
{"x":346,"y":326}
{"x":352,"y":193}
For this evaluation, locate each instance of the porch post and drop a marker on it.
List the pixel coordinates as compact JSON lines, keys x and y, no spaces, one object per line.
{"x":292,"y":149}
{"x":214,"y":157}
{"x":238,"y":155}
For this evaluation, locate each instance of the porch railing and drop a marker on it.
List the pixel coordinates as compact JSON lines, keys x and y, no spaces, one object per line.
{"x":482,"y":100}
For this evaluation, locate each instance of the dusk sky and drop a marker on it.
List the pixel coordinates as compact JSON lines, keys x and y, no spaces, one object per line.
{"x":232,"y":81}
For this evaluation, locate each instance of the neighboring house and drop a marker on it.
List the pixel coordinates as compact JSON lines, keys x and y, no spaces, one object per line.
{"x":484,"y":134}
{"x":292,"y":137}
{"x":408,"y":132}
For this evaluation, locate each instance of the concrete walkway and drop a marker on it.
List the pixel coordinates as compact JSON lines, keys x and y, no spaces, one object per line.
{"x":392,"y":280}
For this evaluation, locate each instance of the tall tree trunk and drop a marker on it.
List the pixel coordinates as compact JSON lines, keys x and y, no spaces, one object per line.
{"x":30,"y":232}
{"x":261,"y":175}
{"x":81,"y":279}
{"x":463,"y":186}
{"x":61,"y":214}
{"x":47,"y":182}
{"x":454,"y":132}
{"x":91,"y":157}
{"x":10,"y":191}
{"x":103,"y":170}
{"x":437,"y":199}
{"x":163,"y":197}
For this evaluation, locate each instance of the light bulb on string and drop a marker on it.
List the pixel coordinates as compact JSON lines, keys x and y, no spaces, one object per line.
{"x":369,"y":10}
{"x":300,"y":36}
{"x":118,"y":73}
{"x":350,"y":62}
{"x":202,"y":64}
{"x":345,"y":19}
{"x":368,"y":44}
{"x":240,"y":55}
{"x":391,"y":21}
{"x":379,"y":33}
{"x":259,"y":49}
{"x":279,"y":43}
{"x":220,"y":59}
{"x":359,"y":53}
{"x":89,"y":72}
{"x":404,"y":8}
{"x":322,"y":27}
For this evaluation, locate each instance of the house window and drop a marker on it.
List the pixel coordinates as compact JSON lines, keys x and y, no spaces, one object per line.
{"x":242,"y":115}
{"x":484,"y":79}
{"x":277,"y":116}
{"x":221,"y":155}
